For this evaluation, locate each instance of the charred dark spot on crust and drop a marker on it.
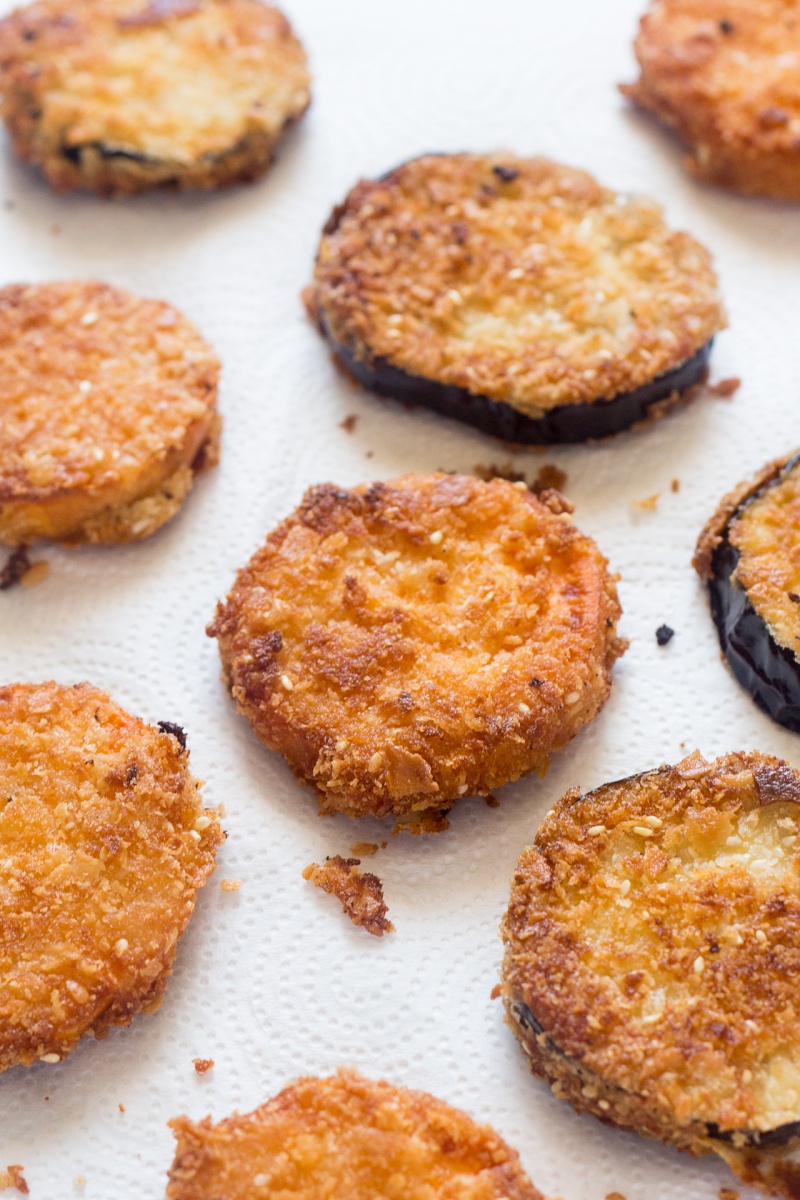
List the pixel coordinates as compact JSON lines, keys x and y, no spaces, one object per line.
{"x":17,"y":565}
{"x":175,"y":731}
{"x":664,"y":634}
{"x":29,"y":35}
{"x":536,"y":683}
{"x":793,"y":596}
{"x":130,"y":774}
{"x":271,"y":643}
{"x":565,"y":424}
{"x":507,"y":174}
{"x":726,"y":26}
{"x":776,"y":782}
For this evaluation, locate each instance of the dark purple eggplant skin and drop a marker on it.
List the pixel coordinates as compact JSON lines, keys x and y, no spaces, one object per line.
{"x":567,"y":424}
{"x":778,"y":1136}
{"x":768,"y":672}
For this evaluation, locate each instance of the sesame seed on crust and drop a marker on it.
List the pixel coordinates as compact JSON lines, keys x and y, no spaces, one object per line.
{"x":537,"y":288}
{"x":119,"y":96}
{"x":345,"y":1138}
{"x":99,"y":872}
{"x":410,"y":658}
{"x":650,"y":981}
{"x":105,"y":421}
{"x":723,"y":74}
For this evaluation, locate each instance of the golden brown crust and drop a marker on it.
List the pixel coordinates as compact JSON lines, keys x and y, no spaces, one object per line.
{"x":723,"y":74}
{"x":716,"y":526}
{"x":361,"y":895}
{"x":653,"y":938}
{"x":119,"y":96}
{"x":107,"y":412}
{"x":768,"y":570}
{"x":346,"y":1138}
{"x":105,"y":845}
{"x":403,"y":644}
{"x":516,"y":279}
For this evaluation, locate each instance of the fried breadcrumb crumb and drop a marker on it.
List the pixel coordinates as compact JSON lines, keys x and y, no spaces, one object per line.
{"x":12,"y":1177}
{"x":203,"y":1065}
{"x":361,"y":896}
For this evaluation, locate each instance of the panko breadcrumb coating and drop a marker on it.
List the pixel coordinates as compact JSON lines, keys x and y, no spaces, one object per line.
{"x":516,"y":294}
{"x":346,"y":1138}
{"x":104,"y":846}
{"x":652,"y":951}
{"x":748,"y":557}
{"x":107,"y":413}
{"x":404,"y":644}
{"x":723,"y":74}
{"x":119,"y":96}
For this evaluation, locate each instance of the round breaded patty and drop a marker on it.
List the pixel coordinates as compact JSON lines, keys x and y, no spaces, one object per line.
{"x":403,"y":644}
{"x":515,"y":294}
{"x":652,"y":955}
{"x":346,"y":1138}
{"x":723,"y":74}
{"x":124,"y":95}
{"x":103,"y":846}
{"x":107,"y":412}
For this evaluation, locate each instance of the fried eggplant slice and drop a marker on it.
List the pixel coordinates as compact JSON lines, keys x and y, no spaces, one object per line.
{"x":120,"y":96}
{"x":723,"y":75}
{"x":404,"y":644}
{"x":108,"y":411}
{"x":104,"y":847}
{"x":747,"y":554}
{"x":652,"y":948}
{"x":517,"y":295}
{"x":346,"y":1138}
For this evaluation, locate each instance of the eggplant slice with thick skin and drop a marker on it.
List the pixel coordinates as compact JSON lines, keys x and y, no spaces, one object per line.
{"x":652,"y":940}
{"x":510,"y":294}
{"x":754,"y":587}
{"x":567,"y":425}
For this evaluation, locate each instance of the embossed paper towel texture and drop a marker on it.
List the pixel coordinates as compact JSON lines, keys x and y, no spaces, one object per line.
{"x":271,"y":981}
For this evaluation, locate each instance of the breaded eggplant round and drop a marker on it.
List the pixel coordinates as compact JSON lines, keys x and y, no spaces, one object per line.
{"x":747,"y":554}
{"x":403,"y":644}
{"x":517,"y":295}
{"x":346,"y":1138}
{"x":104,"y":846}
{"x":107,"y":413}
{"x":119,"y":96}
{"x":652,"y":955}
{"x":723,"y":74}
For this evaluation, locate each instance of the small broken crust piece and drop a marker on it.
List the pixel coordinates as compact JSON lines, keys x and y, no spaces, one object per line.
{"x":747,"y":554}
{"x":723,"y":74}
{"x":108,"y":411}
{"x":346,"y":1138}
{"x":120,"y":96}
{"x":104,"y":846}
{"x":652,"y":948}
{"x":517,"y":295}
{"x":361,"y":896}
{"x":404,"y":644}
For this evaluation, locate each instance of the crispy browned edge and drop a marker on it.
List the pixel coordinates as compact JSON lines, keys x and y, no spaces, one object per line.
{"x":715,"y":528}
{"x":195,"y":1151}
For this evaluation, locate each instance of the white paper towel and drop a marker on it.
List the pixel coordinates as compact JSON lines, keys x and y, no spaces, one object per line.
{"x":272,"y":981}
